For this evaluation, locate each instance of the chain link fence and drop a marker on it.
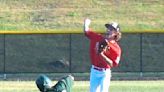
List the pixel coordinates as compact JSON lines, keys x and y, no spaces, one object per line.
{"x":69,"y":53}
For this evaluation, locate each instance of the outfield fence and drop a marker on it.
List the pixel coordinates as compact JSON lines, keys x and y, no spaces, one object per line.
{"x":69,"y":53}
{"x":47,"y":37}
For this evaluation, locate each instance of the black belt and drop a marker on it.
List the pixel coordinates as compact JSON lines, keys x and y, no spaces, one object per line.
{"x":99,"y":69}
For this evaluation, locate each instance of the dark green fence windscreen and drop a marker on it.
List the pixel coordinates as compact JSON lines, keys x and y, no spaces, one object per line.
{"x":2,"y":52}
{"x":63,"y":53}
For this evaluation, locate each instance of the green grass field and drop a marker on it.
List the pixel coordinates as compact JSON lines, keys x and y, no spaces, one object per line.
{"x":57,"y":15}
{"x":83,"y":86}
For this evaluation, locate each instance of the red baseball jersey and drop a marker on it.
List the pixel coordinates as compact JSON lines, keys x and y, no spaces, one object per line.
{"x":113,"y":52}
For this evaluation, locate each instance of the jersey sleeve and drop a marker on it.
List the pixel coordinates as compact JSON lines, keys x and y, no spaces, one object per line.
{"x":92,"y":35}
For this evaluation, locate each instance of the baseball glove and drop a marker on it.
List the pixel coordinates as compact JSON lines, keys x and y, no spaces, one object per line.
{"x":102,"y":45}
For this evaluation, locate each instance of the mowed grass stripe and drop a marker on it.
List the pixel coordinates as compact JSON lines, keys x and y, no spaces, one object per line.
{"x":83,"y":86}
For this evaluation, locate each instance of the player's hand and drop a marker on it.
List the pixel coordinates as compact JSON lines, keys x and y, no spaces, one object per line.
{"x":87,"y":22}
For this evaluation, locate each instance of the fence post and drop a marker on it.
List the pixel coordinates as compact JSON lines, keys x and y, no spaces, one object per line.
{"x":141,"y":66}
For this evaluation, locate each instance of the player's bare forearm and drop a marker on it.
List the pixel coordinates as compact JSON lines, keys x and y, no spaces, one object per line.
{"x":108,"y":60}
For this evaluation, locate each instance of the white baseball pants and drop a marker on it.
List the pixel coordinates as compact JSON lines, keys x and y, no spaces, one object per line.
{"x":100,"y":80}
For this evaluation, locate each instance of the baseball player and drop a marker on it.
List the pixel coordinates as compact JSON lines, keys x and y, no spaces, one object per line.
{"x":105,"y":54}
{"x":44,"y":84}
